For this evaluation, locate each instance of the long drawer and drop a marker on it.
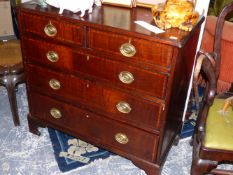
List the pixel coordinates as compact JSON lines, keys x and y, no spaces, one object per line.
{"x":116,"y":104}
{"x":52,"y":28}
{"x":123,"y":75}
{"x":95,"y":127}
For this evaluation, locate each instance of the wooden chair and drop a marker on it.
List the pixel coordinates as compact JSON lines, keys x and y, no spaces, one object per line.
{"x":11,"y":67}
{"x":213,"y":137}
{"x":11,"y":72}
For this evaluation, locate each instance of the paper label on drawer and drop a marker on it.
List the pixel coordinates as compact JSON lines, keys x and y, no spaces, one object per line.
{"x":149,"y":27}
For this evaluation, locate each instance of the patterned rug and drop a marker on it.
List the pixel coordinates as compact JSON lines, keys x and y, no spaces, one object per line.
{"x":71,"y":152}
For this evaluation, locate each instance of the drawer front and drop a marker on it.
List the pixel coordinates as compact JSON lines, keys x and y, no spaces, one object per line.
{"x":123,"y":75}
{"x":94,"y":127}
{"x":55,"y":83}
{"x":132,"y":48}
{"x":36,"y":51}
{"x":51,"y":28}
{"x":115,"y":104}
{"x":120,"y":74}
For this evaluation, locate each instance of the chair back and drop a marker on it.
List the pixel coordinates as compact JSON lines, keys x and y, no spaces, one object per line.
{"x":213,"y":57}
{"x":218,"y":34}
{"x":212,"y":139}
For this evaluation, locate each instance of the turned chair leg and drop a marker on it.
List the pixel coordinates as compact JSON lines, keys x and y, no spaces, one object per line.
{"x":11,"y":91}
{"x":13,"y":104}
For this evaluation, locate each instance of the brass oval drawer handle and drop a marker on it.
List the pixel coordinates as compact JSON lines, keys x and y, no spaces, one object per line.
{"x":55,"y":113}
{"x":123,"y":107}
{"x":121,"y":138}
{"x":52,"y":56}
{"x":126,"y":77}
{"x":127,"y":49}
{"x":50,"y":30}
{"x":54,"y":84}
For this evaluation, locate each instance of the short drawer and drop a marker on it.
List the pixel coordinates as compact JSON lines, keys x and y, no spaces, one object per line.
{"x":110,"y":102}
{"x":120,"y":74}
{"x":52,"y":28}
{"x":100,"y":130}
{"x":38,"y":51}
{"x":134,"y":48}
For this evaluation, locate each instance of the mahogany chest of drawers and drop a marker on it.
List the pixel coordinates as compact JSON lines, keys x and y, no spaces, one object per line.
{"x":106,"y":80}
